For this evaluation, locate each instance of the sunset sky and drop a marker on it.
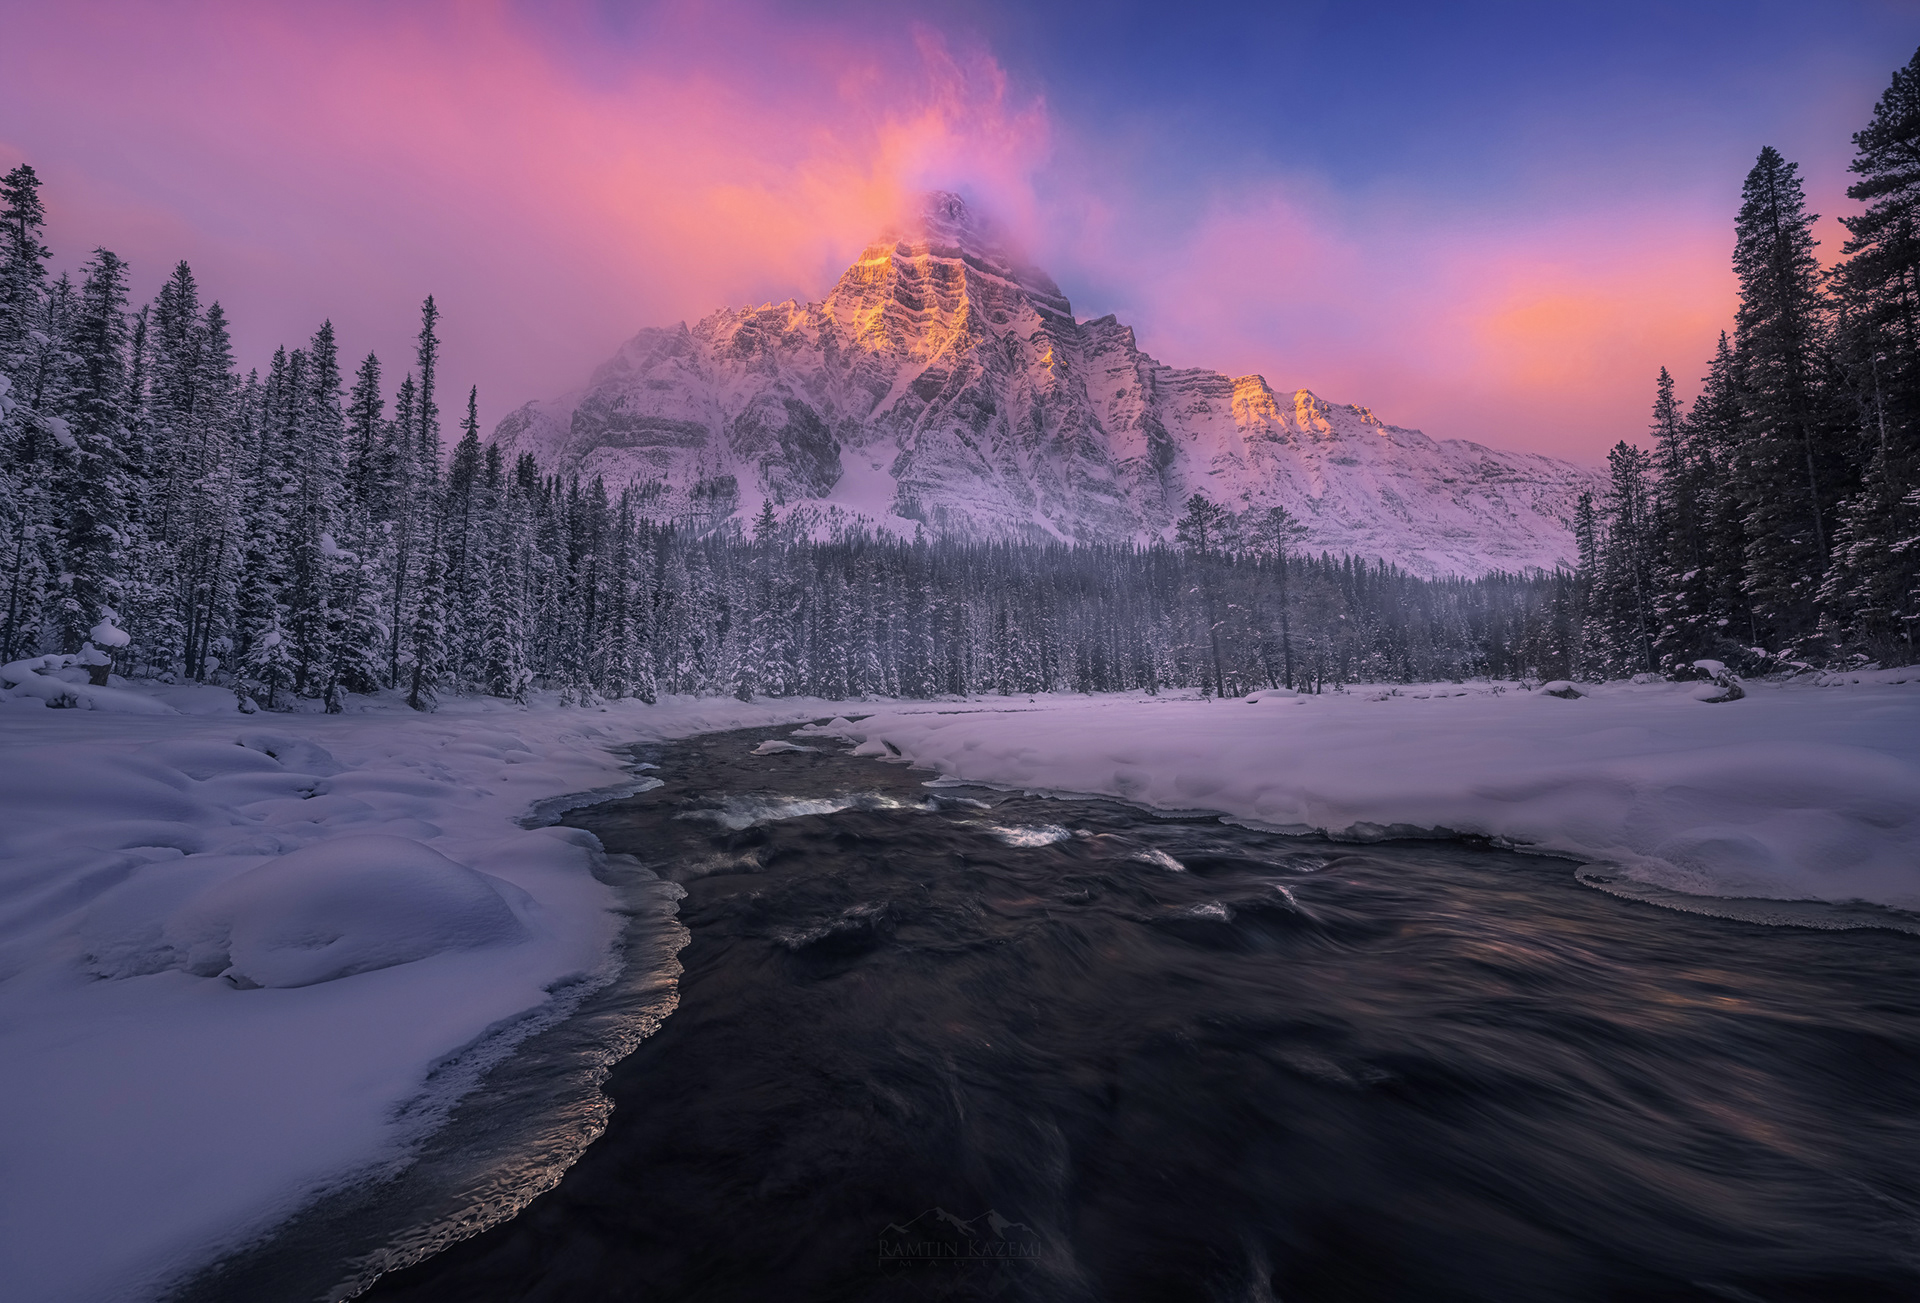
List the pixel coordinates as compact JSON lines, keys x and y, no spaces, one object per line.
{"x":1492,"y":222}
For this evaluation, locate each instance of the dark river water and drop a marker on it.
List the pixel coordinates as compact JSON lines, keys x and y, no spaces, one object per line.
{"x":953,"y":1043}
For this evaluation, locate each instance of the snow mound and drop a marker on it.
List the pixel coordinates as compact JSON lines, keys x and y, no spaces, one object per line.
{"x":349,"y":905}
{"x":37,"y":677}
{"x":774,"y":747}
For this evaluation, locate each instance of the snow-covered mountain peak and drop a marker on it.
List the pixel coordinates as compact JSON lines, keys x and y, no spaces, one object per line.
{"x":945,"y":384}
{"x":944,"y":216}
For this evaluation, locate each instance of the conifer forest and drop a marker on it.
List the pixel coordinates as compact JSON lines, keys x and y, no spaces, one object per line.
{"x":307,"y":533}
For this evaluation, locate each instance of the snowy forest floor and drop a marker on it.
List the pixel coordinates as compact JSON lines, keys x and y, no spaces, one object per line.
{"x":233,"y":975}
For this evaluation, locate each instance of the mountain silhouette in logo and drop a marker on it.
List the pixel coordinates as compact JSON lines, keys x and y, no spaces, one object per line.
{"x":938,"y":1223}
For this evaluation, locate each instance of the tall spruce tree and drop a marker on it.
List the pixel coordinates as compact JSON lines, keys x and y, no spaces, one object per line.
{"x":1872,"y":593}
{"x":1679,"y":568}
{"x":90,"y":498}
{"x":1788,"y":468}
{"x":27,"y":446}
{"x":23,"y":266}
{"x":1203,"y":530}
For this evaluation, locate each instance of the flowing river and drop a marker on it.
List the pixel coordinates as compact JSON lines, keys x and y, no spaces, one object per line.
{"x":955,"y":1043}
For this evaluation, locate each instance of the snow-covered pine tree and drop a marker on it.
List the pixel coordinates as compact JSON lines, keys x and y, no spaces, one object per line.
{"x":90,"y":495}
{"x":368,"y":487}
{"x":463,"y":485}
{"x":1622,"y":595}
{"x":23,"y":269}
{"x":1715,"y":433}
{"x":265,"y":492}
{"x":427,"y":633}
{"x":1872,"y":593}
{"x":619,"y":639}
{"x":404,"y":520}
{"x":504,"y":651}
{"x":315,"y":431}
{"x":1589,"y":636}
{"x":212,"y":518}
{"x":269,"y":662}
{"x":1681,"y":577}
{"x":644,"y":602}
{"x":1789,"y":473}
{"x":1202,"y":530}
{"x":427,"y":450}
{"x":1272,"y":536}
{"x":358,"y":630}
{"x":178,"y":336}
{"x":27,"y":446}
{"x":1880,"y":279}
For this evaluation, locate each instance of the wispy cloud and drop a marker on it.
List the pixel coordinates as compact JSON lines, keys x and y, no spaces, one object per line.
{"x":559,"y":182}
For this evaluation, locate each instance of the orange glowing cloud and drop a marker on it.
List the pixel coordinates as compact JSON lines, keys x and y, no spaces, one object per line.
{"x":315,"y":164}
{"x":1546,"y":336}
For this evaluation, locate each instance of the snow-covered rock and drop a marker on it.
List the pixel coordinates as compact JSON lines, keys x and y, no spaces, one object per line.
{"x":50,"y":681}
{"x":946,"y":383}
{"x":348,"y":905}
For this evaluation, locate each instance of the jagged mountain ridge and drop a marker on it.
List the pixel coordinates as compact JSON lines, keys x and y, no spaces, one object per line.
{"x":944,"y":382}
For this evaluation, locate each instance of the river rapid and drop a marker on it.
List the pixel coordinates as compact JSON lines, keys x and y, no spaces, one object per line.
{"x":952,"y":1043}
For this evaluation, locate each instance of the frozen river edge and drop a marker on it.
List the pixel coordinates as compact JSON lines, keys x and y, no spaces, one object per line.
{"x":168,"y":1110}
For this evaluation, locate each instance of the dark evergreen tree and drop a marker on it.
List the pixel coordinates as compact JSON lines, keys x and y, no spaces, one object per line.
{"x":1204,"y":532}
{"x":1870,"y":591}
{"x":89,"y":497}
{"x":427,"y":634}
{"x":1787,"y":469}
{"x":23,"y":267}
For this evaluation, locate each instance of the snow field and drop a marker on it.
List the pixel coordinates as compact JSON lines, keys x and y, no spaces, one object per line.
{"x":246,"y":958}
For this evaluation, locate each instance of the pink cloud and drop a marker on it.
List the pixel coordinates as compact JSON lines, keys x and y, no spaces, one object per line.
{"x":318,"y":163}
{"x":557,"y":192}
{"x":1545,"y":336}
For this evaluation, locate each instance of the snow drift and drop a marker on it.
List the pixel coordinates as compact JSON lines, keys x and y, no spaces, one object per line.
{"x":348,"y":905}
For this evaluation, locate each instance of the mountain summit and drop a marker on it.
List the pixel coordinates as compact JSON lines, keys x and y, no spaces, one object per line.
{"x":944,"y":383}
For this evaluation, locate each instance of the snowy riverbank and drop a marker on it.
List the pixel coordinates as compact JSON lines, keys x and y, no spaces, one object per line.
{"x":232,"y":948}
{"x":1807,"y":789}
{"x":213,"y":1004}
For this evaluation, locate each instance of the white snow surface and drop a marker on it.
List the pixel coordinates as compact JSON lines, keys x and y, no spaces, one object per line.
{"x":246,"y":958}
{"x":1804,"y":790}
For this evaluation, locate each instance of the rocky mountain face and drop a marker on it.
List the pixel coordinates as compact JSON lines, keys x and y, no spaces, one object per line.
{"x":944,"y":383}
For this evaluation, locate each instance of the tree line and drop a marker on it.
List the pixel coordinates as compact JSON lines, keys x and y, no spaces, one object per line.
{"x":1777,"y":518}
{"x":306,"y":534}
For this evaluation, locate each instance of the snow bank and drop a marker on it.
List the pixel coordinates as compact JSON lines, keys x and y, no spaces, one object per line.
{"x":245,"y":958}
{"x":1797,"y":791}
{"x":59,"y":681}
{"x":344,"y":906}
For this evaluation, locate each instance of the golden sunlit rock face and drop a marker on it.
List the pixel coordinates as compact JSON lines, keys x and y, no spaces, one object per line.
{"x":945,"y":384}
